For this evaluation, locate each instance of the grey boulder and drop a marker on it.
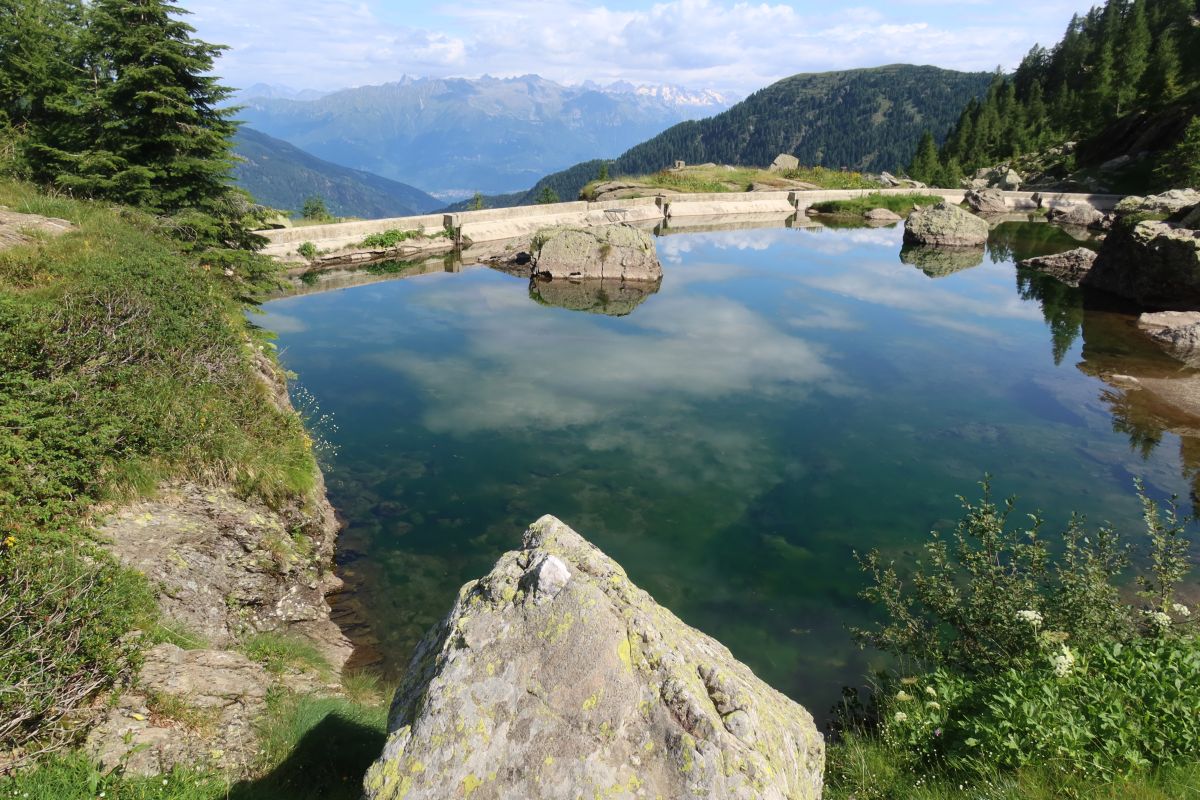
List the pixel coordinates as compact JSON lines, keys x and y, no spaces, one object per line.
{"x":1068,"y":267}
{"x":554,"y":677}
{"x":945,"y":225}
{"x":986,"y":201}
{"x":784,"y":162}
{"x":618,"y":252}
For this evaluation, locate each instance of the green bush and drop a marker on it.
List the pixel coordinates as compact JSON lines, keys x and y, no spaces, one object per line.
{"x":308,"y":250}
{"x":66,"y":613}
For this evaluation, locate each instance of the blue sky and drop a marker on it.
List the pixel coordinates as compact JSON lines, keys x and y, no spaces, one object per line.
{"x":728,"y":45}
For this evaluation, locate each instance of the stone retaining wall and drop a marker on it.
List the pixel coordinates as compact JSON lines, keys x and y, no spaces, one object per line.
{"x":499,"y":224}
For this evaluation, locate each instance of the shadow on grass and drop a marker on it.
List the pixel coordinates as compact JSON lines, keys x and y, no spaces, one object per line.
{"x":328,"y":763}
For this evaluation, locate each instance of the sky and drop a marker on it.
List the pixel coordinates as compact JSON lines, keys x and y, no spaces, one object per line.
{"x":726,"y":45}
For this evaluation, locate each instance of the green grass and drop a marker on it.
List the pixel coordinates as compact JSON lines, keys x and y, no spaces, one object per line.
{"x":124,"y":361}
{"x":864,"y":768}
{"x":720,"y":179}
{"x":312,"y":749}
{"x":395,"y":236}
{"x":279,"y":651}
{"x":901,"y":204}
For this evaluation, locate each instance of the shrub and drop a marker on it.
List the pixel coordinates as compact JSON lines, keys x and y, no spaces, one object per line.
{"x":67,"y":612}
{"x":314,"y":208}
{"x":308,"y":250}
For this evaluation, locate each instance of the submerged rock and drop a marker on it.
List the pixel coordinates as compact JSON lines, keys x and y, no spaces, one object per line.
{"x":1177,"y":331}
{"x":986,"y":201}
{"x":945,"y":225}
{"x":619,"y":252}
{"x":555,"y":677}
{"x":595,"y":296}
{"x":938,"y":262}
{"x":1068,"y":267}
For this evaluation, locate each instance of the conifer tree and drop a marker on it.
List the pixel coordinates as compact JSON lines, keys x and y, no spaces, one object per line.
{"x":925,"y":166}
{"x":1181,"y":166}
{"x":143,"y":127}
{"x":1135,"y":52}
{"x":1160,"y":83}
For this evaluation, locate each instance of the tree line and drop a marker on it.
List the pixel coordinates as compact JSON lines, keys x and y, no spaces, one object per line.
{"x":1123,"y":57}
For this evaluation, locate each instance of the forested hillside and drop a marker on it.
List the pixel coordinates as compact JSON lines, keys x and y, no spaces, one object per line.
{"x":862,"y":119}
{"x":283,"y":176}
{"x":1124,"y":80}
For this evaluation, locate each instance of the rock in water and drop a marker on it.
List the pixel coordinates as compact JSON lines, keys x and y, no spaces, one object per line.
{"x":945,"y":225}
{"x":1156,"y":264}
{"x":1166,"y":203}
{"x":986,"y":201}
{"x":938,"y":262}
{"x":619,"y":252}
{"x":594,"y":295}
{"x":555,"y":677}
{"x":1177,"y":331}
{"x":1068,"y":267}
{"x":784,"y":162}
{"x":1080,"y":214}
{"x":882,"y":215}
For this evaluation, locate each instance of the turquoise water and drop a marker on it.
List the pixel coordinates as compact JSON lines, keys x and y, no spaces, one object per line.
{"x":785,"y":398}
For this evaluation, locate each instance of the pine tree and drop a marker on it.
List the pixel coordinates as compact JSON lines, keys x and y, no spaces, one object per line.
{"x":1135,"y":52}
{"x":37,"y":40}
{"x":1160,"y":83}
{"x":1181,"y":165}
{"x":145,"y":128}
{"x":925,"y":166}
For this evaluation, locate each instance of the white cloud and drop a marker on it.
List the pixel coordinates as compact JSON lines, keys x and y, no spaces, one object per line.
{"x":723,"y":44}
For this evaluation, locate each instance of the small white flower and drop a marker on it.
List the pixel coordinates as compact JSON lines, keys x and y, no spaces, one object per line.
{"x":903,"y":696}
{"x":932,"y":692}
{"x":1159,"y":619}
{"x":934,"y":704}
{"x":1031,"y":616}
{"x":900,"y":716}
{"x":1063,"y":662}
{"x":1181,"y":610}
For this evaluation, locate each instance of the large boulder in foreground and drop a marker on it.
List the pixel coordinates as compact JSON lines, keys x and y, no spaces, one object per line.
{"x":555,"y":677}
{"x":620,"y":252}
{"x":945,"y":225}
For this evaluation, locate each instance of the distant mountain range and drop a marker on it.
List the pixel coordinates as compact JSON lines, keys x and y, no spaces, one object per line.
{"x":861,"y":119}
{"x":283,"y":176}
{"x":455,"y":136}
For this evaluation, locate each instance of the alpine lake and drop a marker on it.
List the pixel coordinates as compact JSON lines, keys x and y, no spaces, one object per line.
{"x":785,"y":398}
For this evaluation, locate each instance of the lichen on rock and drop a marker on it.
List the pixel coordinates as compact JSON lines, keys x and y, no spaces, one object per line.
{"x":620,"y":252}
{"x":945,"y":225}
{"x":555,"y":676}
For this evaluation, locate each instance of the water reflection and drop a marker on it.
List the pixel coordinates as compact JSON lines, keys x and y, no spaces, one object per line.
{"x":785,"y":396}
{"x":938,"y":262}
{"x":595,"y":296}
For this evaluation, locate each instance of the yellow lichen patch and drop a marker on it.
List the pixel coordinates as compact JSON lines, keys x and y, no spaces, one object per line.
{"x":470,"y":784}
{"x":625,"y":653}
{"x":549,"y":761}
{"x":491,"y":668}
{"x":558,"y":626}
{"x":593,"y":700}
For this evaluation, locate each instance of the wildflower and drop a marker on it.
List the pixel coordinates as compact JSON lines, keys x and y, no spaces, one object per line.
{"x":1064,"y":662}
{"x":1159,"y":619}
{"x":934,"y":704}
{"x":903,"y":696}
{"x":10,"y":541}
{"x":908,"y":681}
{"x":937,"y":731}
{"x":1181,"y":609}
{"x":932,"y":692}
{"x":1031,"y":616}
{"x":900,"y":716}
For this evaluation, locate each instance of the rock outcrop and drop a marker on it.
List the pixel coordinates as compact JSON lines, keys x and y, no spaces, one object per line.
{"x":1156,"y":264}
{"x":1170,"y":202}
{"x":986,"y":201}
{"x":1068,"y":267}
{"x":190,"y":707}
{"x":17,"y":229}
{"x":882,"y":215}
{"x":554,"y":676}
{"x":945,"y":225}
{"x":613,"y":252}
